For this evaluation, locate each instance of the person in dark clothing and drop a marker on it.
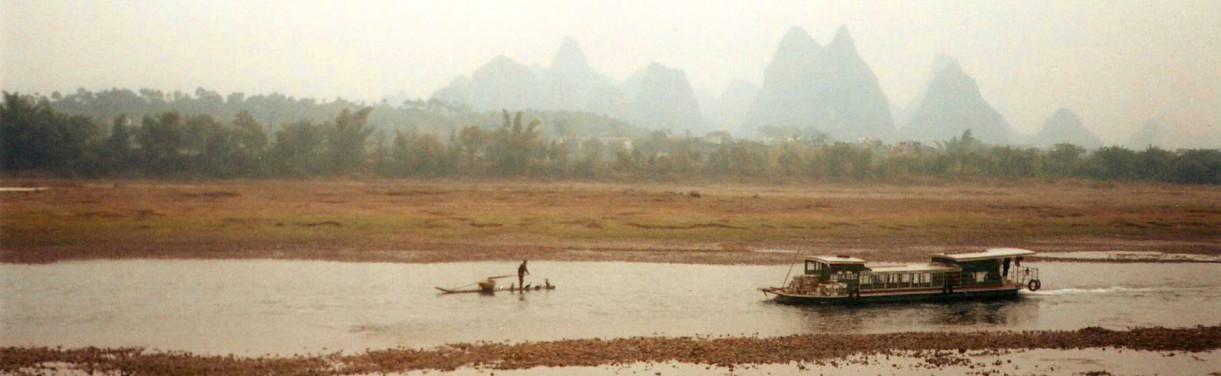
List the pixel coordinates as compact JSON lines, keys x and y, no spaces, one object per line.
{"x":521,"y":274}
{"x":1005,"y":269}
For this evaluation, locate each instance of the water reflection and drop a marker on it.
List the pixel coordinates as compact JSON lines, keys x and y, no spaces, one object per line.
{"x":992,"y":313}
{"x":916,"y":316}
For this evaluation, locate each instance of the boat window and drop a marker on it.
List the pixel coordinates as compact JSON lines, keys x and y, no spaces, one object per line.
{"x":813,"y":267}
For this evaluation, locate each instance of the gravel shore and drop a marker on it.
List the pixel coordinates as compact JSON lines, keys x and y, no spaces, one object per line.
{"x":727,"y":352}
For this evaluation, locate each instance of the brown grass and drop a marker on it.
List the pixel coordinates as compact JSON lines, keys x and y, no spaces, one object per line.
{"x":454,"y":220}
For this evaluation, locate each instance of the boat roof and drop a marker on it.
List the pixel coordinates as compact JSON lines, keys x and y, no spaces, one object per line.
{"x":990,"y":253}
{"x":836,"y":260}
{"x":911,"y":268}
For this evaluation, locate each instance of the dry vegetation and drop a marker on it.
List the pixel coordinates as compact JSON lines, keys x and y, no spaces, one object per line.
{"x":431,"y":221}
{"x":936,"y":349}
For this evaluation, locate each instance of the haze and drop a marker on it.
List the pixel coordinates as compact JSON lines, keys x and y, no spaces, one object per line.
{"x":1116,"y":64}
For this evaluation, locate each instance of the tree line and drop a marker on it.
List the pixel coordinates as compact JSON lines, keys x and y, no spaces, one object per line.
{"x":39,"y":139}
{"x":278,"y":109}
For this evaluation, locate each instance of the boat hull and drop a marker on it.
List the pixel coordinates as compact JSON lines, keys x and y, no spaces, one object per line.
{"x":1007,"y":292}
{"x":493,"y":290}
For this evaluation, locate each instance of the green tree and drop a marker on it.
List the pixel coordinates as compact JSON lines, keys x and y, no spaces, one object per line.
{"x":960,"y":156}
{"x":1065,"y":160}
{"x":515,"y":147}
{"x":428,"y":156}
{"x":116,"y":151}
{"x":1196,"y":167}
{"x":161,"y":143}
{"x":250,"y":142}
{"x":71,"y":145}
{"x":473,"y":143}
{"x":1009,"y":161}
{"x":298,"y":150}
{"x":1153,"y":163}
{"x":1113,"y":163}
{"x":25,"y":133}
{"x":591,"y":162}
{"x":346,"y":140}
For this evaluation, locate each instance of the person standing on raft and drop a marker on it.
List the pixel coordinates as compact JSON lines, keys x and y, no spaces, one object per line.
{"x":521,"y":275}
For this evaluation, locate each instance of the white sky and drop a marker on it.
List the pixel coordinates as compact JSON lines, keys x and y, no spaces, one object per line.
{"x":1115,"y":63}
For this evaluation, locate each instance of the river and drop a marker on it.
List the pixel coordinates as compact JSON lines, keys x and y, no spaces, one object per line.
{"x":254,"y":307}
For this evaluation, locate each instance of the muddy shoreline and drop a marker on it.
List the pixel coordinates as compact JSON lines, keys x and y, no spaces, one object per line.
{"x":934,"y":347}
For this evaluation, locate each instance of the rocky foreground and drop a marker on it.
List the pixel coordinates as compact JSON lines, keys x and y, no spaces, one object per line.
{"x":936,"y":348}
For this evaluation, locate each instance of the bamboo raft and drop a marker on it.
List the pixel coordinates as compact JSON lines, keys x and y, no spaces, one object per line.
{"x":489,"y":286}
{"x":493,"y":289}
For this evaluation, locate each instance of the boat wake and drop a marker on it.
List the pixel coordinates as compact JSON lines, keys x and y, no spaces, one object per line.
{"x":1102,"y":290}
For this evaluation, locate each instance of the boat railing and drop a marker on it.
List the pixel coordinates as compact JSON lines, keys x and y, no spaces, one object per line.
{"x":1023,"y":275}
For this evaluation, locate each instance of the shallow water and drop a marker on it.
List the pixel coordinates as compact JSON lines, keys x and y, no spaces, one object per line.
{"x":285,"y":307}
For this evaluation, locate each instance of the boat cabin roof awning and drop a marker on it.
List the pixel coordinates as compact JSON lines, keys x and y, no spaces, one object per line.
{"x":836,"y":260}
{"x":911,"y":268}
{"x":990,"y":253}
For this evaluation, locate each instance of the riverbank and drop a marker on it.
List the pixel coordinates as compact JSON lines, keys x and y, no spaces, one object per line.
{"x":717,"y":223}
{"x":725,"y":352}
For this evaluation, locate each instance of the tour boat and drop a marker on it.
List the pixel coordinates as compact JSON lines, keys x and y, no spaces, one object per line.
{"x":992,"y":273}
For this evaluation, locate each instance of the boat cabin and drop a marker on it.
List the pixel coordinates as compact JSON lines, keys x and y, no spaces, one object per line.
{"x":829,"y":268}
{"x":992,"y":272}
{"x":988,"y":268}
{"x":907,"y":276}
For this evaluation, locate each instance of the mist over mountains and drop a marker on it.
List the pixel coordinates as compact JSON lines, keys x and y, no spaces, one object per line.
{"x":953,"y":104}
{"x":827,"y":89}
{"x":1168,"y":134}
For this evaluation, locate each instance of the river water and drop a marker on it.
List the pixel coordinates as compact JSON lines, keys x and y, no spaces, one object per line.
{"x":253,"y":307}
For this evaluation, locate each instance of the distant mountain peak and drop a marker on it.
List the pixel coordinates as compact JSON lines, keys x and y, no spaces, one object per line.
{"x":830,"y":89}
{"x":570,"y":57}
{"x":843,"y":39}
{"x":953,"y":103}
{"x":951,"y":71}
{"x":1149,"y":135}
{"x":665,"y":100}
{"x":797,"y":42}
{"x":796,"y":34}
{"x":941,"y":60}
{"x":502,"y":60}
{"x":1065,"y":127}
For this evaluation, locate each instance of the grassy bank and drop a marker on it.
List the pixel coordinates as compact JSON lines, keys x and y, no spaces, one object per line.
{"x":452,"y":220}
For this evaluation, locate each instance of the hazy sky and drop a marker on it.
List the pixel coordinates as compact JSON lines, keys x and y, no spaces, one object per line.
{"x":1115,"y":63}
